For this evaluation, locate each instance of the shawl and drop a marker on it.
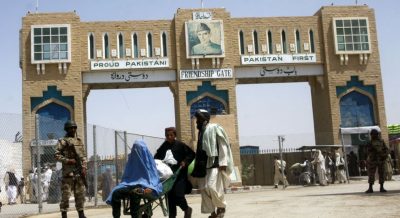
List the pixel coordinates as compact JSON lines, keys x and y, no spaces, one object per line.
{"x":212,"y":133}
{"x":140,"y":170}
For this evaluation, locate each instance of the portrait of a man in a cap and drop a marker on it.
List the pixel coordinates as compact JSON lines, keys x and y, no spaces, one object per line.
{"x":202,"y":41}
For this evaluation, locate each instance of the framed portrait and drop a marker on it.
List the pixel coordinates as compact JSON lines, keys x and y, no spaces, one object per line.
{"x":204,"y":39}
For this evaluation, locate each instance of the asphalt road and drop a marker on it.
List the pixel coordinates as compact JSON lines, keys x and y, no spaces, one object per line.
{"x":338,"y":200}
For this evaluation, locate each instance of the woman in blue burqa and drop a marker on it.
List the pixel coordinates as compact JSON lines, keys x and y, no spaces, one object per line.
{"x":140,"y":177}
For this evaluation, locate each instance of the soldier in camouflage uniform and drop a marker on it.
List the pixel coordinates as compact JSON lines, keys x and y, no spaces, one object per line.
{"x":71,"y":153}
{"x":377,"y":154}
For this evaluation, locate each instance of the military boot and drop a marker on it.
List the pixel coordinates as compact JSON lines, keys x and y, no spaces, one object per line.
{"x":370,"y":190}
{"x":382,"y":189}
{"x":81,"y":214}
{"x":64,"y":214}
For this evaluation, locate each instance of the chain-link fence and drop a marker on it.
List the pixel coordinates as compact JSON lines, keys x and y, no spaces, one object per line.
{"x":107,"y":152}
{"x":40,"y":190}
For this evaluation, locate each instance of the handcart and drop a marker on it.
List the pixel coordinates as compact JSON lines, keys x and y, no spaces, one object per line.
{"x":149,"y":202}
{"x":303,"y":174}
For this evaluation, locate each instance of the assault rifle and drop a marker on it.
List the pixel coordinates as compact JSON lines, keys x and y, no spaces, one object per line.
{"x":78,"y":170}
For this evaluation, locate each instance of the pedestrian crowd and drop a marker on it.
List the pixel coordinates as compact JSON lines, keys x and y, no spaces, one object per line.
{"x":209,"y":166}
{"x":21,"y":190}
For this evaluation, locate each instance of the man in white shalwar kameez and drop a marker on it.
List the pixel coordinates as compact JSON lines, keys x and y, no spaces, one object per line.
{"x":340,"y":173}
{"x":279,"y":174}
{"x":319,"y":161}
{"x":11,"y":183}
{"x":213,"y":165}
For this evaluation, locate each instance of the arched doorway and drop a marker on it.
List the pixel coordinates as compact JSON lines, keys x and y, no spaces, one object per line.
{"x":210,"y":104}
{"x":356,"y":109}
{"x":51,"y":121}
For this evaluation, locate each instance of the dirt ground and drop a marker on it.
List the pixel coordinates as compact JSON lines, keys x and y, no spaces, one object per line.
{"x":338,"y":200}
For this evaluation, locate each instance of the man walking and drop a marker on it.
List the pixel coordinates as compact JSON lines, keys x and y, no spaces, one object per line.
{"x":377,"y":154}
{"x":11,"y":182}
{"x":107,"y":183}
{"x":183,"y":156}
{"x":340,"y":168}
{"x":213,"y":164}
{"x":71,"y":153}
{"x":279,"y":175}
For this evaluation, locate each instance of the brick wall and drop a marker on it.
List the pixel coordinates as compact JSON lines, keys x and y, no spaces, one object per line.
{"x":323,"y":88}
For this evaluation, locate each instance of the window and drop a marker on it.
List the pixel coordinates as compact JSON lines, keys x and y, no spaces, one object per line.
{"x":121,"y":49}
{"x":149,"y":45}
{"x":298,"y":42}
{"x":270,"y":46}
{"x":50,"y":43}
{"x":106,"y":46}
{"x":91,"y":47}
{"x":351,"y":35}
{"x":241,"y":42}
{"x":312,"y":46}
{"x":255,"y":42}
{"x":164,"y":44}
{"x":284,"y":45}
{"x":135,"y":46}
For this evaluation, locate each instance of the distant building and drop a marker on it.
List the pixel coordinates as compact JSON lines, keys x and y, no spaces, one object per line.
{"x":394,"y":131}
{"x":249,"y":149}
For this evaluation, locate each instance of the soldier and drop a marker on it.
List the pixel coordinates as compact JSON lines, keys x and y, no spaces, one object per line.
{"x":71,"y":153}
{"x":377,"y":154}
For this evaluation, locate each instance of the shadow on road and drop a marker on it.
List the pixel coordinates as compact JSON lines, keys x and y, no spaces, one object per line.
{"x":376,"y":193}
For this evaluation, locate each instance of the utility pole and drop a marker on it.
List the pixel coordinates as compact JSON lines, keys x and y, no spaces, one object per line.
{"x":280,"y":140}
{"x":37,"y":6}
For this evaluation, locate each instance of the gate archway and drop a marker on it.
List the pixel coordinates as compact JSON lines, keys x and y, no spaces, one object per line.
{"x":72,"y":57}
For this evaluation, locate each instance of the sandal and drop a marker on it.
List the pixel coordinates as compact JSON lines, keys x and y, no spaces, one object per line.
{"x":142,"y":191}
{"x":213,"y":215}
{"x":220,"y":212}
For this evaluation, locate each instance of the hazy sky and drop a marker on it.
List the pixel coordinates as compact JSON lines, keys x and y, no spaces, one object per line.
{"x":262,"y":115}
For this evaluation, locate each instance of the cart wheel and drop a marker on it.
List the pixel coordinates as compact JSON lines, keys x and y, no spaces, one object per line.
{"x":147,"y":212}
{"x":304,"y":179}
{"x":145,"y":216}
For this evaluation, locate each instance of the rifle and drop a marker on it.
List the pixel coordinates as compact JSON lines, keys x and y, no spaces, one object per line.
{"x":78,"y":170}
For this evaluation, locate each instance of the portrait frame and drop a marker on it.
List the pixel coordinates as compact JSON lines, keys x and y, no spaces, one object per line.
{"x":216,"y":38}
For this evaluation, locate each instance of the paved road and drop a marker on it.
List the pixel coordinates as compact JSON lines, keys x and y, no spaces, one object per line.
{"x":339,"y":200}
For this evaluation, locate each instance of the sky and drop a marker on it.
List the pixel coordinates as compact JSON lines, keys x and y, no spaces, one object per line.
{"x":262,"y":116}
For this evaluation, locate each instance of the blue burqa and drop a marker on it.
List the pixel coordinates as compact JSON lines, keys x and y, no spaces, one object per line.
{"x":140,"y":171}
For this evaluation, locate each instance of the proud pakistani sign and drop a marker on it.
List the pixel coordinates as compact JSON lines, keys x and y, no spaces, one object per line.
{"x":129,"y":64}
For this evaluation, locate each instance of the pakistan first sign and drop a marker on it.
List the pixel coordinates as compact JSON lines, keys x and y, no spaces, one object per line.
{"x":278,"y":59}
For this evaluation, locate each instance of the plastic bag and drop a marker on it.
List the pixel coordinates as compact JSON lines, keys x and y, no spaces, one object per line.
{"x":164,"y":171}
{"x":169,"y":158}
